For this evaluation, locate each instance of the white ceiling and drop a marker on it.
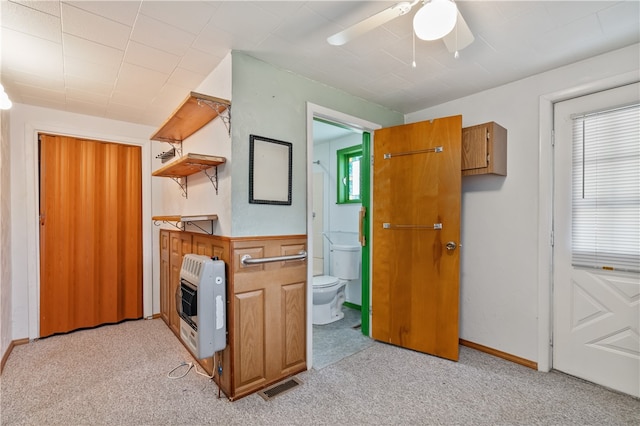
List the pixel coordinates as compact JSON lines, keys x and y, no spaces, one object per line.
{"x":137,"y":60}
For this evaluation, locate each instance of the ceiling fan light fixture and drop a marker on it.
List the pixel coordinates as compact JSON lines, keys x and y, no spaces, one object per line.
{"x":435,"y":19}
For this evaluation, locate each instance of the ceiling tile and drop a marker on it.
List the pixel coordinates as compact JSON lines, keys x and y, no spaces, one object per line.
{"x":582,"y":34}
{"x":218,"y":42}
{"x":186,"y":78}
{"x":159,"y":35}
{"x":173,"y":44}
{"x":31,"y":54}
{"x":124,"y":12}
{"x":199,"y":62}
{"x":170,"y":94}
{"x":563,"y":12}
{"x":128,"y":98}
{"x":44,"y":99}
{"x":95,"y":28}
{"x":77,"y":94}
{"x":152,"y":58}
{"x":306,"y":25}
{"x":190,"y":16}
{"x":30,"y":21}
{"x":621,"y":16}
{"x":347,"y":13}
{"x":245,"y":18}
{"x":85,"y":107}
{"x":97,"y":74}
{"x":143,"y":81}
{"x":16,"y":81}
{"x":89,"y":85}
{"x":55,"y":95}
{"x":50,"y":7}
{"x":123,"y":112}
{"x":90,"y":51}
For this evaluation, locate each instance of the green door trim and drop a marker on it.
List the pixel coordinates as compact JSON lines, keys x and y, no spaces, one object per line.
{"x":365,"y":190}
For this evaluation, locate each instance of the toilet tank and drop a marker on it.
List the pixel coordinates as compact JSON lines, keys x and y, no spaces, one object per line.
{"x":345,"y":261}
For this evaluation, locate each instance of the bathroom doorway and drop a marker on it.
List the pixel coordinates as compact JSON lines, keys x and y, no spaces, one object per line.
{"x":336,"y":205}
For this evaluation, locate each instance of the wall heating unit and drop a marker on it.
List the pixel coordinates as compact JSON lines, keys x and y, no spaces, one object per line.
{"x":201,"y":304}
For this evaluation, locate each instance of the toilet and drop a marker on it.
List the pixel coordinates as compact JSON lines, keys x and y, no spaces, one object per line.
{"x":328,"y":291}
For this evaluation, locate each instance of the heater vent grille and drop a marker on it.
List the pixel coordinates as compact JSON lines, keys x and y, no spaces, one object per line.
{"x":280,"y":388}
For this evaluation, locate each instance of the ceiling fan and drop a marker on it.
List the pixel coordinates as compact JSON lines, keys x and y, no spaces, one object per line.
{"x":436,"y":19}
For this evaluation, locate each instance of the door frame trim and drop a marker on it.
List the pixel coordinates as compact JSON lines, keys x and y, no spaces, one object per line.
{"x":32,"y":202}
{"x":318,"y":111}
{"x":545,"y":205}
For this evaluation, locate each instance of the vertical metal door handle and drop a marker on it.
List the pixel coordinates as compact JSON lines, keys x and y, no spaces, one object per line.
{"x":361,"y":237}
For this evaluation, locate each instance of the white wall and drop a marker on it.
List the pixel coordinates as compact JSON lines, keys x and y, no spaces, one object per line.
{"x":25,"y":122}
{"x":501,"y":240}
{"x":5,"y":235}
{"x":212,"y":139}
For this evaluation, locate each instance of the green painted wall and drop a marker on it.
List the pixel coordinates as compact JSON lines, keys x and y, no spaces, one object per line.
{"x":271,"y":102}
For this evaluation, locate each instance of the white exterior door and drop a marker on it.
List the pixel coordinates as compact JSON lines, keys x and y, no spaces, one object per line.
{"x":596,"y":311}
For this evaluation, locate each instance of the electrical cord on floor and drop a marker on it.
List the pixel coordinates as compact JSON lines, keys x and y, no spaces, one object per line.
{"x":189,"y":364}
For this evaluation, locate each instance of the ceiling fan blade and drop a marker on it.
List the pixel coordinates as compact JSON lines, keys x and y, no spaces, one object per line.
{"x":369,"y":24}
{"x":460,"y":37}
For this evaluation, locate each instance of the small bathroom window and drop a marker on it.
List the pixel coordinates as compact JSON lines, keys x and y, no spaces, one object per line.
{"x":349,"y":162}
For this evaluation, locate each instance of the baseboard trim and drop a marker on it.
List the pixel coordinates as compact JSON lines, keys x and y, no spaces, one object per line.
{"x":525,"y":362}
{"x":13,"y":344}
{"x":352,"y":306}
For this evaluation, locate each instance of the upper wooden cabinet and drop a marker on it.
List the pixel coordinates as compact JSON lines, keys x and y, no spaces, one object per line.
{"x":194,"y":112}
{"x":484,"y":150}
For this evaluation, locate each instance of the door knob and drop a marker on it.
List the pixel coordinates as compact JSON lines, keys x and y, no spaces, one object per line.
{"x":451,"y":245}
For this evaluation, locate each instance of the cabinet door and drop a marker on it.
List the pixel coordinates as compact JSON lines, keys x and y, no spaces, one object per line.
{"x":475,"y":147}
{"x":269,"y":315}
{"x":180,"y":244}
{"x":484,"y":150}
{"x":165,"y":295}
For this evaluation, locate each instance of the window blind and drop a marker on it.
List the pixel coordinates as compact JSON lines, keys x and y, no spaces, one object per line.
{"x":606,"y":189}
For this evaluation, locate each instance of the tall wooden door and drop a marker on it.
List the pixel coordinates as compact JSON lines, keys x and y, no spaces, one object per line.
{"x":90,"y":233}
{"x":416,"y":231}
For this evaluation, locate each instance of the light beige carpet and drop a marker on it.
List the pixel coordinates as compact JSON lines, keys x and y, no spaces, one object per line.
{"x":117,"y":375}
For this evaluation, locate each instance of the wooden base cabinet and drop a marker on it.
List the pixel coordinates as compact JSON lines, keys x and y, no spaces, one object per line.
{"x":269,"y":313}
{"x":266,"y":306}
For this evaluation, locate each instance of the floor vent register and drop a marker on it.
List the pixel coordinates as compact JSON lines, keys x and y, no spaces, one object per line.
{"x":280,"y":388}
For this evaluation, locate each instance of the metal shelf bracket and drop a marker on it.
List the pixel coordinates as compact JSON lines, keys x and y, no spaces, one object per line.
{"x":213,"y":177}
{"x":225,"y":115}
{"x":181,"y":184}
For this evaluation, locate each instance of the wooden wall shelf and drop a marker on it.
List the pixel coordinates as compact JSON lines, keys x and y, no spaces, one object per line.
{"x":181,"y":221}
{"x":194,"y":112}
{"x":188,"y":165}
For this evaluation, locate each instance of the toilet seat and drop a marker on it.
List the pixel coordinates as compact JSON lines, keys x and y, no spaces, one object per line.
{"x":323,"y":281}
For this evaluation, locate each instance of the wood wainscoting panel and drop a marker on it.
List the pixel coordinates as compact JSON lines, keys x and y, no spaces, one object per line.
{"x":250,"y":326}
{"x":167,"y":302}
{"x":179,"y":245}
{"x":294,"y":325}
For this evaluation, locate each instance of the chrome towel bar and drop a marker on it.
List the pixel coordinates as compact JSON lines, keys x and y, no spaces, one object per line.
{"x":247,"y":260}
